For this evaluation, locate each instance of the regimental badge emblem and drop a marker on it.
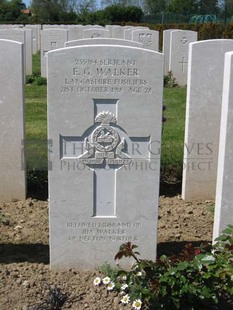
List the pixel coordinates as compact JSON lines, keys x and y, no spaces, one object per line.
{"x":105,"y":145}
{"x":145,"y":39}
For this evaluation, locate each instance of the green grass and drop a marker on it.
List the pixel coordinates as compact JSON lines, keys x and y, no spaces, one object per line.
{"x":173,"y":129}
{"x":36,"y":125}
{"x":36,"y":64}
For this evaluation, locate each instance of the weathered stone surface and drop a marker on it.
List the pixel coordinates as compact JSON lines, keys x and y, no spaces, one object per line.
{"x":104,"y":113}
{"x":203,"y":113}
{"x":12,"y":135}
{"x":223,"y":214}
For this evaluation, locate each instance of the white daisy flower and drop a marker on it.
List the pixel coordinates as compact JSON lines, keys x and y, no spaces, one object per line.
{"x":125,"y":299}
{"x":139,"y":274}
{"x":106,"y":280}
{"x":97,"y":281}
{"x":124,"y":287}
{"x":137,"y":304}
{"x":111,"y":286}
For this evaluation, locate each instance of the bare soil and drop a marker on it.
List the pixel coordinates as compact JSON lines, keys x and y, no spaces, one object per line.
{"x":25,"y":276}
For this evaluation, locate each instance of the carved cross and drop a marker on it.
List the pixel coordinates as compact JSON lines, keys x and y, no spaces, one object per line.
{"x":183,"y":63}
{"x":104,"y":150}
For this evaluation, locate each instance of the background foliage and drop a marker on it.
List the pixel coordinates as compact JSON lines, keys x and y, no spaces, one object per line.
{"x":112,"y":11}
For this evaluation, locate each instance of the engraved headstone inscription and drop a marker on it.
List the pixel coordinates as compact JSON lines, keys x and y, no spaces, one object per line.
{"x":104,"y":118}
{"x":149,"y":38}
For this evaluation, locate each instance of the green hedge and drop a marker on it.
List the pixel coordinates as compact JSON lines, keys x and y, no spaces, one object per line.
{"x":205,"y":31}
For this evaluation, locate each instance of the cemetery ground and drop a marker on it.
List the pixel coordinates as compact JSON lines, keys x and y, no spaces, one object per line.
{"x":25,"y":275}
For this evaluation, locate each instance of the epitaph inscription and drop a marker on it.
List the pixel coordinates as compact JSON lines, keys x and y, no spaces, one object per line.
{"x":103,"y":231}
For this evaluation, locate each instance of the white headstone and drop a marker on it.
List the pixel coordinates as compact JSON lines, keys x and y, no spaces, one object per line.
{"x":128,"y":32}
{"x":57,"y":26}
{"x":223,"y":213}
{"x":75,"y":32}
{"x":102,"y":41}
{"x":110,"y":29}
{"x":35,"y":37}
{"x":148,"y":38}
{"x":24,"y":36}
{"x":179,"y":46}
{"x":51,"y":39}
{"x":28,"y":37}
{"x":166,"y":48}
{"x":96,"y":33}
{"x":203,"y":113}
{"x":104,"y":114}
{"x":12,"y":172}
{"x":118,"y":32}
{"x":17,"y":35}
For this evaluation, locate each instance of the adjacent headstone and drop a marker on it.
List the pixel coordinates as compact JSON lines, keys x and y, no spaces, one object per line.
{"x":166,"y":48}
{"x":118,"y":32}
{"x":128,"y":32}
{"x":6,"y":26}
{"x":223,"y":213}
{"x":96,"y":33}
{"x":12,"y":169}
{"x":148,"y":38}
{"x":102,"y":41}
{"x":51,"y":39}
{"x":109,"y":28}
{"x":56,"y":26}
{"x":75,"y":32}
{"x":203,"y":113}
{"x":35,"y":37}
{"x":17,"y":35}
{"x":28,"y":38}
{"x":24,"y":36}
{"x":179,"y":46}
{"x":104,"y":118}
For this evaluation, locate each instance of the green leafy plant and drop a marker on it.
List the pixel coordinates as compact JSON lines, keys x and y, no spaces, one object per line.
{"x":40,"y":80}
{"x":170,"y":80}
{"x":199,"y":278}
{"x":36,"y":79}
